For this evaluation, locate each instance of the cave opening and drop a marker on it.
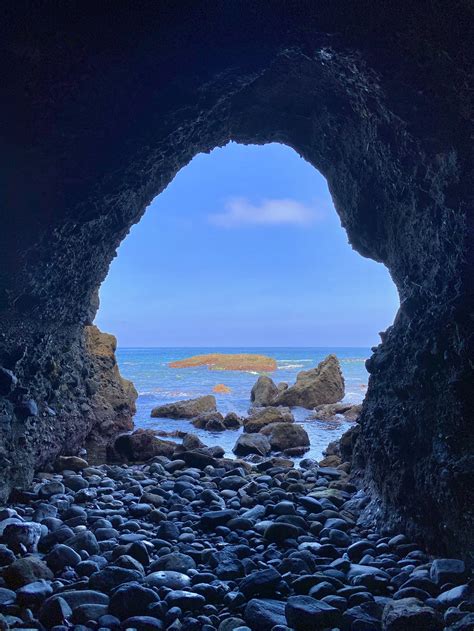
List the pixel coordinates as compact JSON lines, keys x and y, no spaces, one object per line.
{"x":242,"y":253}
{"x":378,"y":101}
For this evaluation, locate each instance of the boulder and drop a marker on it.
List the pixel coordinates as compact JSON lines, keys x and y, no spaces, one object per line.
{"x":142,"y":445}
{"x":283,"y":436}
{"x":333,"y":411}
{"x":323,"y":384}
{"x":211,"y":421}
{"x":260,"y":417}
{"x":410,"y":613}
{"x":263,"y":392}
{"x":71,"y":463}
{"x":189,"y":408}
{"x":232,"y":421}
{"x":252,"y":444}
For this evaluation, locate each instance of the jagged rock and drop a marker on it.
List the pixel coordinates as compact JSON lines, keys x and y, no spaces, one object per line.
{"x":410,"y":613}
{"x":332,"y":411}
{"x":26,"y":570}
{"x":252,"y":444}
{"x":142,"y":445}
{"x":190,"y":408}
{"x":260,"y":417}
{"x":284,"y":436}
{"x":211,"y":421}
{"x":323,"y":384}
{"x":111,"y":397}
{"x":263,"y":392}
{"x":191,"y":441}
{"x":232,"y":421}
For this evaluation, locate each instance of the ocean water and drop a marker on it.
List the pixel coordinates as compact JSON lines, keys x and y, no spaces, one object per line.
{"x":157,"y":384}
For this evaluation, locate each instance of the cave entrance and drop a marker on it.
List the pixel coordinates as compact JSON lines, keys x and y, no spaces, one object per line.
{"x":242,"y":253}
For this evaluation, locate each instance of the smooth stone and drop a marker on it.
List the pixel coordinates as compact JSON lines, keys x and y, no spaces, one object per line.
{"x":168,"y":578}
{"x":262,"y":583}
{"x":22,"y":535}
{"x":279,"y":532}
{"x":304,"y":613}
{"x":62,"y":556}
{"x":187,"y":601}
{"x":264,"y":614}
{"x":84,"y":540}
{"x":34,"y":593}
{"x":110,"y":577}
{"x":131,"y":600}
{"x":410,"y":613}
{"x":447,"y":571}
{"x":143,"y":623}
{"x":26,"y":570}
{"x":175,"y":561}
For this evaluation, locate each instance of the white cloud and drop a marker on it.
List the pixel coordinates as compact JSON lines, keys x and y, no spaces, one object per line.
{"x":239,"y":211}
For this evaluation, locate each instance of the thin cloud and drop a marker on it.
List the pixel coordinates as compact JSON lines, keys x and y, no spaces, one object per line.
{"x":239,"y":211}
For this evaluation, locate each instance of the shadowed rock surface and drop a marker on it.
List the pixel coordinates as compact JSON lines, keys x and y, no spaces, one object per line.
{"x":261,"y":417}
{"x":323,"y":384}
{"x":377,"y":96}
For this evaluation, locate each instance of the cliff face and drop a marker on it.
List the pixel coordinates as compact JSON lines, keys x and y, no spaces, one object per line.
{"x":112,"y":398}
{"x":377,"y":96}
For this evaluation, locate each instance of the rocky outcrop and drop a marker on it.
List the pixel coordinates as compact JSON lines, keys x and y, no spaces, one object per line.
{"x":285,"y":436}
{"x":334,"y":411}
{"x":212,"y":421}
{"x":323,"y":384}
{"x":190,"y":408}
{"x":260,"y":417}
{"x":264,"y":391}
{"x":112,"y":398}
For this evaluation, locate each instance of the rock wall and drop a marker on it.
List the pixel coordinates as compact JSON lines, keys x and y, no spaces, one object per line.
{"x":104,"y":107}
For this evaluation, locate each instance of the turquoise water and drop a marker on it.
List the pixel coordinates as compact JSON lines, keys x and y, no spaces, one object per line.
{"x":156,"y":384}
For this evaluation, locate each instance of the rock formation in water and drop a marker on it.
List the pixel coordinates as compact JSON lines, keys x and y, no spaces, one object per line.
{"x":189,"y":408}
{"x":376,"y":96}
{"x":264,"y":391}
{"x":323,"y":384}
{"x":260,"y":417}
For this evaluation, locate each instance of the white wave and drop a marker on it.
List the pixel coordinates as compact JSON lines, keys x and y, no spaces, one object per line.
{"x":295,"y":360}
{"x":291,"y":366}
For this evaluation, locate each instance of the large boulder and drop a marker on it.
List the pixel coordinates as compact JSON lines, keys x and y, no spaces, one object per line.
{"x":189,"y":408}
{"x":283,"y":436}
{"x":261,"y":417}
{"x":264,"y":391}
{"x":252,"y":444}
{"x":142,"y":445}
{"x":323,"y":384}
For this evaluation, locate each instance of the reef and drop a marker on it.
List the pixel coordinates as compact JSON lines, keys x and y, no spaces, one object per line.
{"x":231,"y":361}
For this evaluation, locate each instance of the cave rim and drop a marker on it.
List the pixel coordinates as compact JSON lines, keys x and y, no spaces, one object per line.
{"x":446,"y":166}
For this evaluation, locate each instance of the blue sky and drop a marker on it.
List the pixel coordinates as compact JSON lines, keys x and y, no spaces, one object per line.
{"x":244,"y":248}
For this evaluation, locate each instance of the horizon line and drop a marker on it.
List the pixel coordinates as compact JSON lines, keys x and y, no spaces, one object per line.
{"x":244,"y":346}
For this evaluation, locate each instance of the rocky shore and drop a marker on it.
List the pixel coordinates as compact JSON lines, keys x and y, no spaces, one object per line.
{"x":216,"y":545}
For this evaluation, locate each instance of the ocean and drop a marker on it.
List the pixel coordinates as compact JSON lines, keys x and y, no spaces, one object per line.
{"x":157,"y":384}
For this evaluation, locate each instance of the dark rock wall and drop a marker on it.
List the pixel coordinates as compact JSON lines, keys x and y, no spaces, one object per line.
{"x":105,"y":102}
